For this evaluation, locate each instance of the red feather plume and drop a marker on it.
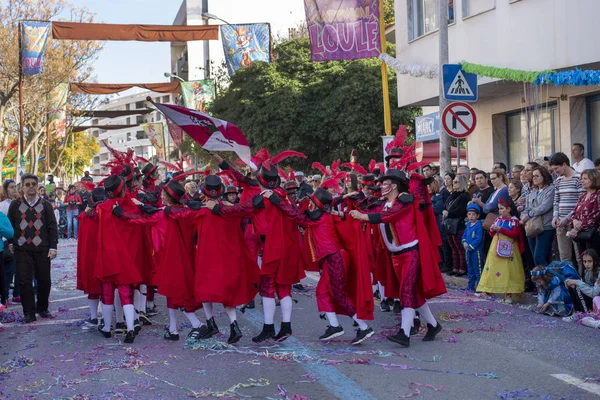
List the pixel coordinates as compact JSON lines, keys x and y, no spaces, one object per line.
{"x":88,"y":185}
{"x":416,"y":166}
{"x":360,"y":169}
{"x":335,"y":166}
{"x":181,"y":177}
{"x":142,"y":159}
{"x":372,"y":165}
{"x":227,"y":173}
{"x":332,"y":183}
{"x":292,"y":175}
{"x":225,"y":180}
{"x":401,"y":135}
{"x":207,"y":171}
{"x":347,"y":165}
{"x":320,"y":167}
{"x":260,"y":157}
{"x":283,"y":174}
{"x":286,"y":154}
{"x":172,"y":167}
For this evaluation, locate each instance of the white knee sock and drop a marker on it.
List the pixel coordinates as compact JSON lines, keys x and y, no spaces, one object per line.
{"x":208,"y":310}
{"x":129,"y":312}
{"x":118,"y":308}
{"x":259,"y":261}
{"x":408,"y":314}
{"x":173,"y":320}
{"x":286,"y":308}
{"x":193,"y":319}
{"x":269,"y":310}
{"x":381,"y":291}
{"x":361,"y":324}
{"x":136,"y":302}
{"x":426,"y":313}
{"x":332,"y":318}
{"x":93,"y":308}
{"x":107,"y":315}
{"x":231,"y":313}
{"x":143,"y":293}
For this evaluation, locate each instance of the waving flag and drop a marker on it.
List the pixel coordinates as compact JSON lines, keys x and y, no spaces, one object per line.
{"x":34,"y":36}
{"x":211,"y":133}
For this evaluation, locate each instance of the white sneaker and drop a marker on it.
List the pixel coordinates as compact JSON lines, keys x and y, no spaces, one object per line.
{"x":591,"y":322}
{"x":570,"y":318}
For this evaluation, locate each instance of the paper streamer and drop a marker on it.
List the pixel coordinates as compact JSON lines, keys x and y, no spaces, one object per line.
{"x":574,"y":77}
{"x":414,"y":70}
{"x":508,"y":74}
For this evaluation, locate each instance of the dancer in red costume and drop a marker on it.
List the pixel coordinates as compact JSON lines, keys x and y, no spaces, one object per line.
{"x":411,"y":252}
{"x":323,"y":245}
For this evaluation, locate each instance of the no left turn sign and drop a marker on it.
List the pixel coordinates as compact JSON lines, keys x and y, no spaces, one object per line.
{"x":459,"y":119}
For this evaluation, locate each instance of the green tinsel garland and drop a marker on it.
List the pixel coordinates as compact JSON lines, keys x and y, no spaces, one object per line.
{"x":515,"y":75}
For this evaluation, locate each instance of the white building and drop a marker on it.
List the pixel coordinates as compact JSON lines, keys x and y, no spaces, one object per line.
{"x":191,"y":60}
{"x":530,"y":35}
{"x":125,"y":138}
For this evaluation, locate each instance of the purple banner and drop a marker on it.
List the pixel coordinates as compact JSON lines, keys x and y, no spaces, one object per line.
{"x":343,"y":29}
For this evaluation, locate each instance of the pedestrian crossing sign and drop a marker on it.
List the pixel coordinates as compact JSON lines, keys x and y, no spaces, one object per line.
{"x":459,"y":85}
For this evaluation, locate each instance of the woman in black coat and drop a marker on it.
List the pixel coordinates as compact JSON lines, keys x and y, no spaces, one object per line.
{"x":454,"y":219}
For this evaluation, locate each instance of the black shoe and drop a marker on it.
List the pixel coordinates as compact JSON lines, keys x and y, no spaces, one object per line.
{"x":251,"y":304}
{"x":384,"y":306}
{"x":362,"y":335}
{"x":137,"y":326}
{"x":151,"y":312}
{"x":268,"y":332}
{"x":107,"y":335}
{"x":400,"y":338}
{"x":452,"y":273}
{"x":460,"y":274}
{"x":236,"y":333}
{"x":144,"y":319}
{"x":332,"y":332}
{"x":377,"y":295}
{"x":212,"y":329}
{"x":120,"y":328}
{"x":300,"y":287}
{"x":355,"y":324}
{"x":45,"y":314}
{"x":29,"y":318}
{"x":90,"y":323}
{"x":130,"y":337}
{"x":416,"y":326}
{"x":431,"y":332}
{"x":397,"y":307}
{"x":197,"y":333}
{"x":171,"y":336}
{"x":284,"y":332}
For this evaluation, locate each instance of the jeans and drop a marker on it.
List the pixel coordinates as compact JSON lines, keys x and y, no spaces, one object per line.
{"x":72,"y":223}
{"x":10,"y":270}
{"x":541,"y":247}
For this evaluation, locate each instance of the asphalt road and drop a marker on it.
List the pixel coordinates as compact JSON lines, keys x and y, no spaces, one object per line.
{"x":486,"y":350}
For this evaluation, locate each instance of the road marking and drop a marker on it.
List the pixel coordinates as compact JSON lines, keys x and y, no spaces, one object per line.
{"x":43,"y":322}
{"x":330,"y":377}
{"x":69,"y":298}
{"x":571,"y":380}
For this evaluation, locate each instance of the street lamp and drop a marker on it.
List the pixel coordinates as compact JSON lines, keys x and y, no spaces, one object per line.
{"x":207,"y":16}
{"x":170,"y":75}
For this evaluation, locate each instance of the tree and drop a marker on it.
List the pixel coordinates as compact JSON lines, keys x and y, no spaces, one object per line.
{"x":389,"y":15}
{"x":77,"y":153}
{"x":65,"y":61}
{"x":323,"y":109}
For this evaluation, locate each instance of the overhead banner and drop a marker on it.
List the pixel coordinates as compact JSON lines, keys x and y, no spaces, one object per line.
{"x":57,"y":115}
{"x":34,"y":36}
{"x":176,"y":133}
{"x":245,"y":44}
{"x":343,"y":29}
{"x":155,"y":133}
{"x":198,"y":95}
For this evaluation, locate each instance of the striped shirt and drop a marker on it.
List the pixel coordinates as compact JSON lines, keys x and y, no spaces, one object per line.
{"x":567,"y":192}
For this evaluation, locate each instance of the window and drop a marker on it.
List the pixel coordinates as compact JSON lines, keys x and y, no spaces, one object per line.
{"x":139,"y":119}
{"x":128,"y":121}
{"x":127,"y":107}
{"x":129,"y":136}
{"x":526,"y":142}
{"x":474,"y":7}
{"x":94,"y":122}
{"x":158,"y":117}
{"x":141,"y":135}
{"x":423,"y":17}
{"x":165,"y":99}
{"x":139,"y":104}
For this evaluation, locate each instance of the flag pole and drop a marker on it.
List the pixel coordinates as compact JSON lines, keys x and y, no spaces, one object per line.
{"x":21,"y":135}
{"x":387,"y":116}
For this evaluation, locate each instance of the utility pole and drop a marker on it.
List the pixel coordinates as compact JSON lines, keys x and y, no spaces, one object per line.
{"x":445,"y":143}
{"x":206,"y":44}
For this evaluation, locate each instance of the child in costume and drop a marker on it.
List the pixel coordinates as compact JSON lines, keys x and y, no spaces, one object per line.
{"x":472,"y":241}
{"x":585,"y":292}
{"x":553,"y":295}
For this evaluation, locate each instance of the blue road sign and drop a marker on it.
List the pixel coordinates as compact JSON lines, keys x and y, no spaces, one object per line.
{"x":427,"y":127}
{"x":459,"y":85}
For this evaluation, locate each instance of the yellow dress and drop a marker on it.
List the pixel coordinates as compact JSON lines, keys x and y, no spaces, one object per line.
{"x":500,"y":274}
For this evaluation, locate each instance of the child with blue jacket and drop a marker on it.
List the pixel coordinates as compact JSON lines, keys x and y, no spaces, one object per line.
{"x":472,"y":241}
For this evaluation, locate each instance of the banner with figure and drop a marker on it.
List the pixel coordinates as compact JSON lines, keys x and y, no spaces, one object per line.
{"x":155,"y":133}
{"x":198,"y":95}
{"x":343,"y":29}
{"x":34,"y":36}
{"x":57,"y":115}
{"x":245,"y":44}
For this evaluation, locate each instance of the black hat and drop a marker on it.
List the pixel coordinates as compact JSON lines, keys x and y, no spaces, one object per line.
{"x":127,"y":173}
{"x":98,"y":195}
{"x":231,"y":190}
{"x":290,"y":186}
{"x":394,"y":175}
{"x":396,"y":152}
{"x":213,"y":187}
{"x":149,"y":169}
{"x":174,"y":189}
{"x":368,"y":179}
{"x":137,"y":173}
{"x":113,"y":185}
{"x":322,"y":198}
{"x":268,"y":176}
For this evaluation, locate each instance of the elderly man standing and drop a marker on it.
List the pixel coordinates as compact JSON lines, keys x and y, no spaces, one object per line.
{"x":35,"y":244}
{"x":304,"y":189}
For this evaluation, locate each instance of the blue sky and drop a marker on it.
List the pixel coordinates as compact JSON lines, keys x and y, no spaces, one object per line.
{"x":144,"y":62}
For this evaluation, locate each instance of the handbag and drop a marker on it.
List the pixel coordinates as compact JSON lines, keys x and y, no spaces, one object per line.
{"x":504,"y":248}
{"x":585,"y":236}
{"x":489,"y":221}
{"x":534,"y":227}
{"x":452,"y":225}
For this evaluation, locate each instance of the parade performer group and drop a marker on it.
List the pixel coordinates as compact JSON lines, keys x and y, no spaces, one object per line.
{"x":198,"y":248}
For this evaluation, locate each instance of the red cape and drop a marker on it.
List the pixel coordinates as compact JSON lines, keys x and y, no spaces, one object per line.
{"x":87,"y":249}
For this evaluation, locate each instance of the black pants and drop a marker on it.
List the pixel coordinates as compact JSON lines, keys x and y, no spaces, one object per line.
{"x":581,"y":302}
{"x":3,"y":287}
{"x":27,"y":264}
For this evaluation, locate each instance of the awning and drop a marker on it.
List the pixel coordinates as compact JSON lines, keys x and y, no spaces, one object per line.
{"x":82,"y":128}
{"x":109,"y":114}
{"x":431,"y":153}
{"x":111,"y":88}
{"x":143,"y":33}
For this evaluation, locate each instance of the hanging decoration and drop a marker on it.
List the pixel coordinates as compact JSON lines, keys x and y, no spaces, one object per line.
{"x":574,"y":77}
{"x":414,"y":70}
{"x":245,"y":45}
{"x":508,"y":74}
